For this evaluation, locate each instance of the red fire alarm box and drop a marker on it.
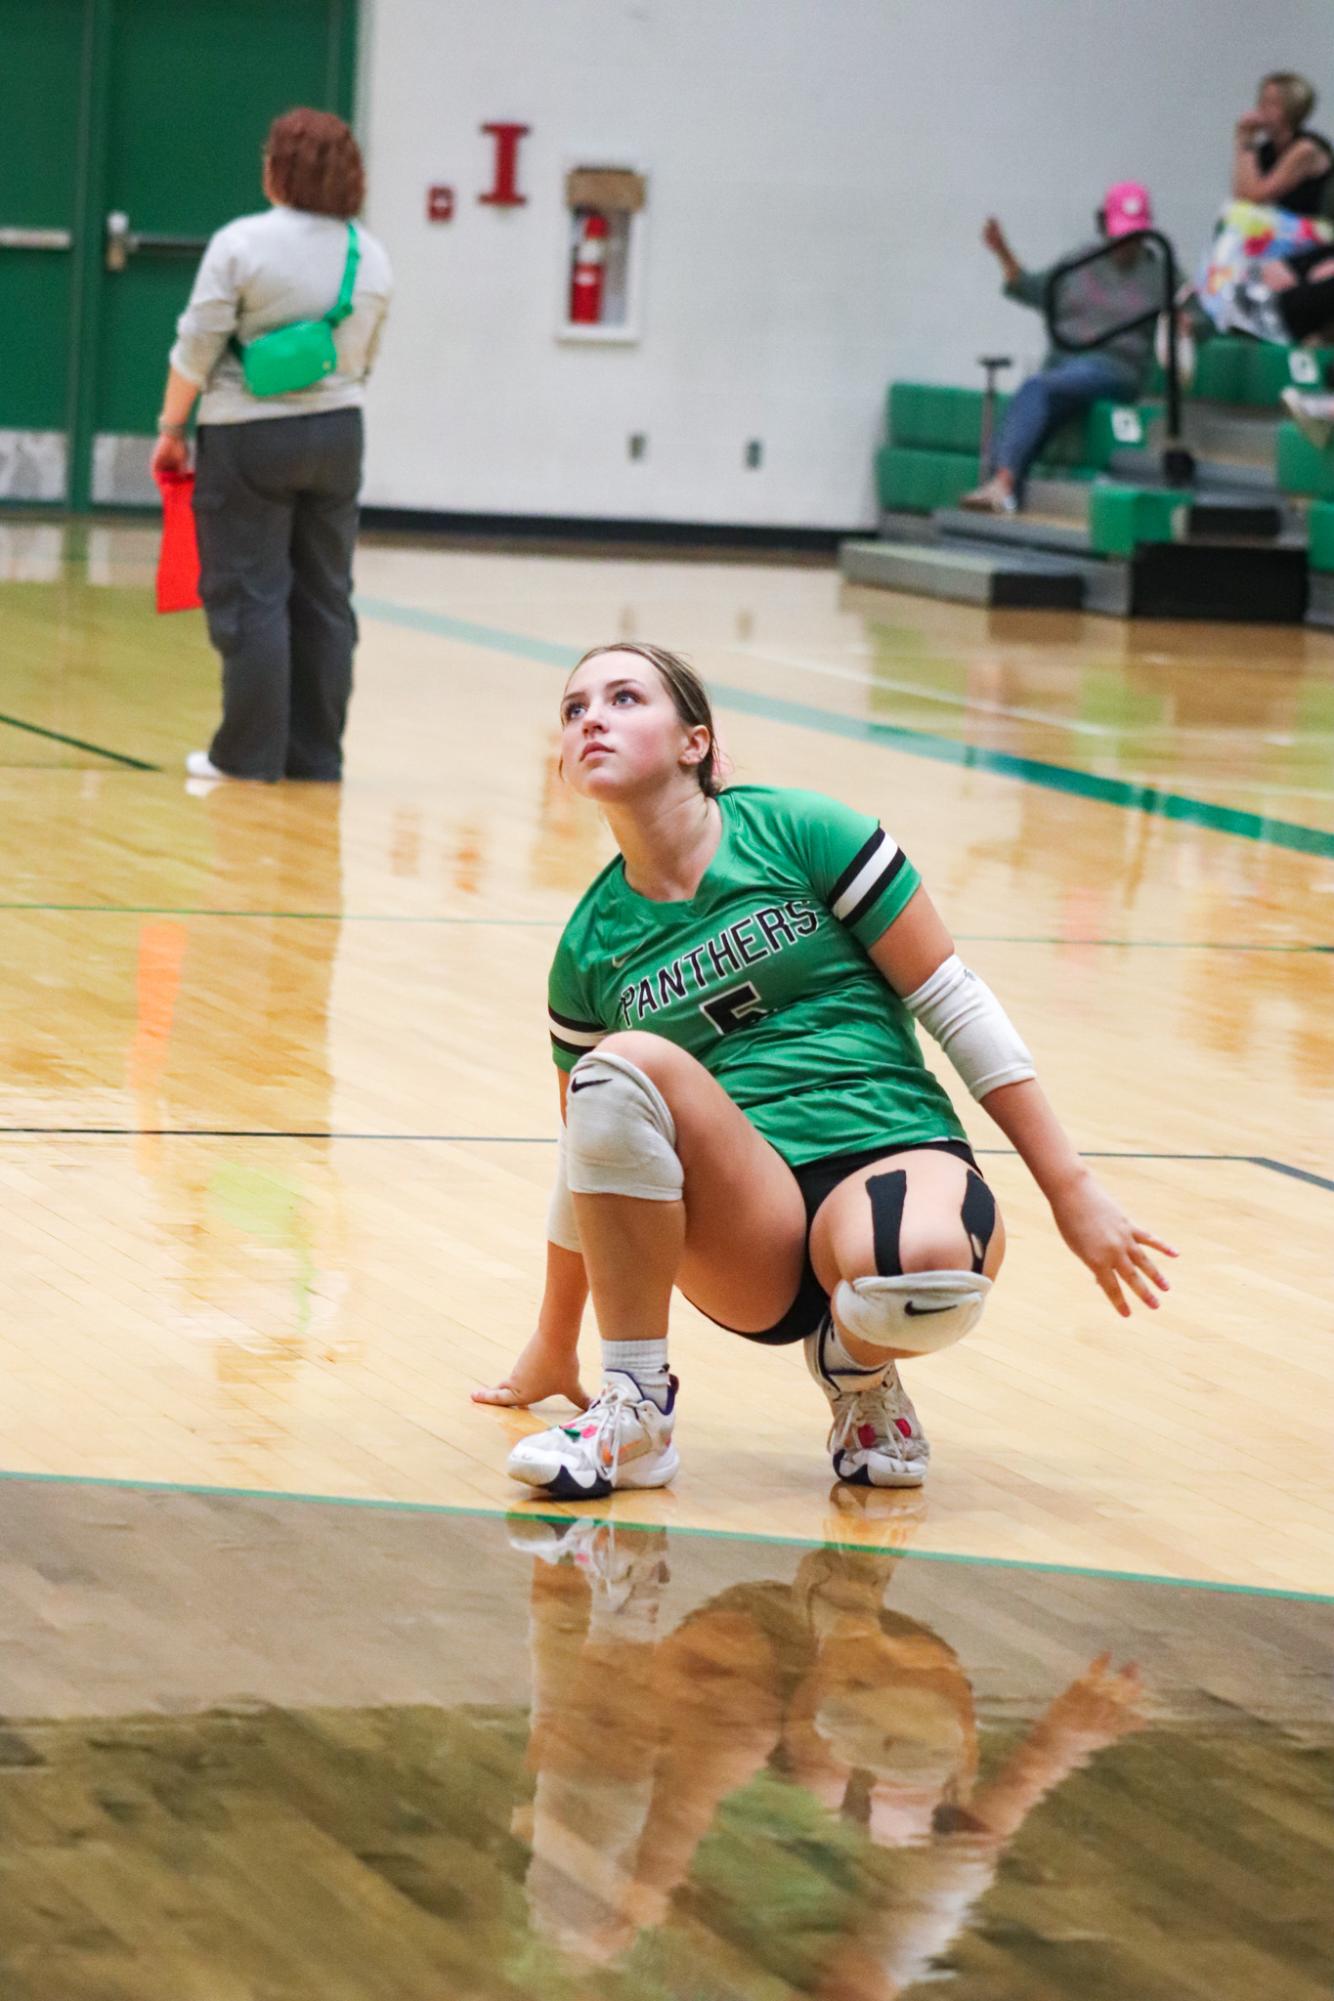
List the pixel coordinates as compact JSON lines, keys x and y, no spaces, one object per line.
{"x":439,"y":204}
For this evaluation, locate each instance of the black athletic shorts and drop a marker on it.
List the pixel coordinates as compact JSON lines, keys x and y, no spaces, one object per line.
{"x":816,"y":1179}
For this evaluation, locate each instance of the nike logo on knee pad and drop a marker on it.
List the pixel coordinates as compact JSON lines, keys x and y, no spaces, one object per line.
{"x":587,"y":1083}
{"x":919,"y":1312}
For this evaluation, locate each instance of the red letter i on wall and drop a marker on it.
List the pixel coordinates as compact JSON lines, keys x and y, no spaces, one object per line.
{"x":505,"y":192}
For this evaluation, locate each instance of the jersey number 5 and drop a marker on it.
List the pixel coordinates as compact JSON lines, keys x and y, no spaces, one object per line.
{"x":735,"y":1008}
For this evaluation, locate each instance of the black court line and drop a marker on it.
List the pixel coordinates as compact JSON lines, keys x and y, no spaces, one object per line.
{"x":548,"y":1139}
{"x":77,"y":743}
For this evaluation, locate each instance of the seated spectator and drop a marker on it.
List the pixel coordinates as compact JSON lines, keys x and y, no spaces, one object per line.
{"x":1279,"y":208}
{"x":1125,"y":286}
{"x":1276,"y":159}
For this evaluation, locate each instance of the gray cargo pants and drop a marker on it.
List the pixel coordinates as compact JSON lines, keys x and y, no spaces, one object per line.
{"x":276,"y":513}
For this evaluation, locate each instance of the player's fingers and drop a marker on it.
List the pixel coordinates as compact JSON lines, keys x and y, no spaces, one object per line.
{"x":504,"y":1394}
{"x":1139,"y":1285}
{"x":1147,"y":1265}
{"x":1154,"y":1243}
{"x":1107,"y":1280}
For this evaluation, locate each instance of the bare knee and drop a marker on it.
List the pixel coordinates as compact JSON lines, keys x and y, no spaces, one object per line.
{"x":935,"y":1246}
{"x":940,"y":1242}
{"x":653,"y":1054}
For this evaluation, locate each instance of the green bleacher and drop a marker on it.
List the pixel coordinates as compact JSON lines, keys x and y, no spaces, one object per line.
{"x":934,"y":434}
{"x":1303,"y":469}
{"x":1253,"y":373}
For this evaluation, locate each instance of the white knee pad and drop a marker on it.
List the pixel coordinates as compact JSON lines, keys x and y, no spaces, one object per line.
{"x":919,"y":1312}
{"x":620,"y":1136}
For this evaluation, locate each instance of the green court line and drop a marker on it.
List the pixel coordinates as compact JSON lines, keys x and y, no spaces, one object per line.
{"x":557,"y":923}
{"x":436,"y":1508}
{"x":76,"y":743}
{"x":1148,"y":799}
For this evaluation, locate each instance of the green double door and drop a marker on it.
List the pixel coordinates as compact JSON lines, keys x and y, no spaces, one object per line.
{"x":132,"y":131}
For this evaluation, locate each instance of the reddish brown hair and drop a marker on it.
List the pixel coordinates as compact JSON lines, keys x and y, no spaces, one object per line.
{"x":314,"y":163}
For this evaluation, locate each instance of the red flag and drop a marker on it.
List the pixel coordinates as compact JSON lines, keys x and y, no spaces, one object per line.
{"x":178,"y":558}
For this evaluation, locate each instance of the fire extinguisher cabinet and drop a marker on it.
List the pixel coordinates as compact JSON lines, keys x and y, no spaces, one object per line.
{"x":603,"y":258}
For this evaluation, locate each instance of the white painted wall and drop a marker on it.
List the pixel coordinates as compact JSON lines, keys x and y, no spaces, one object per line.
{"x":818,"y":173}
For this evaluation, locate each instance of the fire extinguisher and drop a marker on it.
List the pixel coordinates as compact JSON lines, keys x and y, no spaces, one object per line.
{"x":588,"y":273}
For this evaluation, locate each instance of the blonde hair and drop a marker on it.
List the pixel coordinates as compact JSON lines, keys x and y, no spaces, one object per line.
{"x":1298,"y":95}
{"x":690,"y":699}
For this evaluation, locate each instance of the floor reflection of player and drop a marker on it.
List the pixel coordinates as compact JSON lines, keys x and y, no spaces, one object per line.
{"x":232,"y":1037}
{"x":637,"y":1741}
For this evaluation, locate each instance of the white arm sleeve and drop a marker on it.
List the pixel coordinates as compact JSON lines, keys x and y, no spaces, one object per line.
{"x":561,"y":1226}
{"x":960,"y":1012}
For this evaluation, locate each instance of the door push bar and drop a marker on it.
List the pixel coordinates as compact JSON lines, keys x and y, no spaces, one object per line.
{"x":122,"y":242}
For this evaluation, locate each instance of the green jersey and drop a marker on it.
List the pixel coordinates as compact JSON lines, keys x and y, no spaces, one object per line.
{"x":763,"y":975}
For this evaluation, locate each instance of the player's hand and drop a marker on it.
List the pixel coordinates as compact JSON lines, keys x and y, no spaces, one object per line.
{"x":993,"y":237}
{"x":170,"y":455}
{"x":1103,"y":1704}
{"x":544,"y":1369}
{"x":1115,"y":1250}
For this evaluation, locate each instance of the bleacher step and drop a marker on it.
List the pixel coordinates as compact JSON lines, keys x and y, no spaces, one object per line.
{"x":989,"y":577}
{"x":1320,"y":599}
{"x":1225,"y":434}
{"x":1212,"y":475}
{"x":1014,"y":531}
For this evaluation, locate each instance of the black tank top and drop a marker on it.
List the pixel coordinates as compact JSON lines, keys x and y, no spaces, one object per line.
{"x":1307,"y":198}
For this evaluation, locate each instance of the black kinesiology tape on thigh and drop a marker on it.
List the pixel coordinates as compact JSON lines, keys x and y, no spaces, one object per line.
{"x":978,"y":1215}
{"x":887,"y":1193}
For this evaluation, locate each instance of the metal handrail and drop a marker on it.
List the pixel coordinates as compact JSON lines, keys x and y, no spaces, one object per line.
{"x":1178,"y":461}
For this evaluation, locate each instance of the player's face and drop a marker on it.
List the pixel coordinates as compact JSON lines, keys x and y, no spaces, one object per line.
{"x":620,"y":733}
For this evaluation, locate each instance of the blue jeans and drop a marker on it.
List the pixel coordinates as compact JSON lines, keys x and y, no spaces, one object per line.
{"x":1047,"y":401}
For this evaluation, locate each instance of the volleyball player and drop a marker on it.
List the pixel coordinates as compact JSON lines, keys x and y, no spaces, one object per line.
{"x":746,"y":1111}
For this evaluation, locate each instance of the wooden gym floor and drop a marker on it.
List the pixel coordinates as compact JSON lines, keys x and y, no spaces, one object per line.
{"x":275,"y":1137}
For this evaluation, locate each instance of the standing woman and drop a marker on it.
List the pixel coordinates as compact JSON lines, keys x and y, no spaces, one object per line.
{"x":280,"y":450}
{"x":747,"y":1112}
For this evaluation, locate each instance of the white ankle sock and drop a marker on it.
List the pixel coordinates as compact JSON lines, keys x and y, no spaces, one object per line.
{"x":646,"y":1361}
{"x":837,"y":1367}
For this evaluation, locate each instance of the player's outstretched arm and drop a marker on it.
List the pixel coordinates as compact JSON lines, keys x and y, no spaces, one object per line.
{"x":549,"y":1364}
{"x":1092,"y":1222}
{"x":917,"y":957}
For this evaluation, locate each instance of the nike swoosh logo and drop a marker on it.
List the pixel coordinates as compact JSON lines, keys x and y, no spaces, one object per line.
{"x":591,"y":1084}
{"x":920,"y":1312}
{"x":618,"y":963}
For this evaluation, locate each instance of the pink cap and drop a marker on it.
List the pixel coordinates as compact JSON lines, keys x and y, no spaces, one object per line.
{"x":1126,"y":208}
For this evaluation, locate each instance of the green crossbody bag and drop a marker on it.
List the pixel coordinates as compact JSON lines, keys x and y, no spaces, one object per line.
{"x":298,"y":356}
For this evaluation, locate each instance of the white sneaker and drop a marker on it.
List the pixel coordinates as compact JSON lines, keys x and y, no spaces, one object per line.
{"x":621,"y":1440}
{"x":990,"y":498}
{"x":200,"y":765}
{"x":1313,"y":415}
{"x":875,"y":1439}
